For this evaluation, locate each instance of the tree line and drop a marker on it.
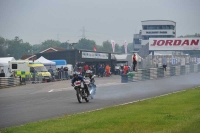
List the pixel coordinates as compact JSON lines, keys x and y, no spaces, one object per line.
{"x":16,"y":47}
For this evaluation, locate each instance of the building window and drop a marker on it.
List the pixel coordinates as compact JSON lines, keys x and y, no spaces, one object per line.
{"x":144,"y":27}
{"x":14,"y":66}
{"x":158,"y":27}
{"x":163,"y":26}
{"x":167,"y":26}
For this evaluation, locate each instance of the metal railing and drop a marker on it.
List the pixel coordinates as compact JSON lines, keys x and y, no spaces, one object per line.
{"x":9,"y":82}
{"x":170,"y":60}
{"x":160,"y":72}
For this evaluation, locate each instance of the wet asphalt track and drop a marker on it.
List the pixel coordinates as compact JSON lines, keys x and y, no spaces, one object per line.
{"x":34,"y":102}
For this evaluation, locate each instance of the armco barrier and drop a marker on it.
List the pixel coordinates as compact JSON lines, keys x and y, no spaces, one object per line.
{"x":145,"y":74}
{"x":195,"y":68}
{"x":138,"y":75}
{"x":191,"y":68}
{"x":167,"y":72}
{"x":187,"y":69}
{"x":153,"y":73}
{"x":9,"y":82}
{"x":160,"y":72}
{"x":182,"y":71}
{"x":172,"y":71}
{"x":198,"y":67}
{"x":177,"y":70}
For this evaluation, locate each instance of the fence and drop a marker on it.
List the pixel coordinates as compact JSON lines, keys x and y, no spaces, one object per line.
{"x":169,"y":60}
{"x":155,"y":73}
{"x":9,"y":82}
{"x":57,"y":76}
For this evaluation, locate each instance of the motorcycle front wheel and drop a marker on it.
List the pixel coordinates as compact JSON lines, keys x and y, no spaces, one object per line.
{"x":79,"y":97}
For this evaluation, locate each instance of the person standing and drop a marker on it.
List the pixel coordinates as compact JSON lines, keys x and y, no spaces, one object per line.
{"x":107,"y":70}
{"x":134,"y":62}
{"x":66,"y":72}
{"x":125,"y":69}
{"x":50,"y":70}
{"x":86,"y":67}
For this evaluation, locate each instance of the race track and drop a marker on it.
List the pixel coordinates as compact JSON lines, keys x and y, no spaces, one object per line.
{"x":34,"y":102}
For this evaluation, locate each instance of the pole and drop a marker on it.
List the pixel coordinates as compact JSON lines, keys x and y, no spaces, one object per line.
{"x":152,"y":57}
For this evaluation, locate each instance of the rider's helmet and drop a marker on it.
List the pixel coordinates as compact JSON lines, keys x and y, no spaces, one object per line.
{"x":75,"y":74}
{"x":88,"y":73}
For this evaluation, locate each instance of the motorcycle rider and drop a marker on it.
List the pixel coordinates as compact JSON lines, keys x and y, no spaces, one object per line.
{"x":92,"y":85}
{"x":77,"y":77}
{"x":89,"y":74}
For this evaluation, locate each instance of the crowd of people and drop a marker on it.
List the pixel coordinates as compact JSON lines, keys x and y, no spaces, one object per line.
{"x":101,"y":70}
{"x":61,"y":73}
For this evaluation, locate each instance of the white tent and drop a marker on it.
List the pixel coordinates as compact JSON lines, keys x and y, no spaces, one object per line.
{"x":4,"y":65}
{"x":47,"y":63}
{"x":5,"y":60}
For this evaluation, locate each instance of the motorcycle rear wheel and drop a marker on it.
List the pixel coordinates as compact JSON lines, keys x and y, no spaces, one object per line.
{"x":87,"y":99}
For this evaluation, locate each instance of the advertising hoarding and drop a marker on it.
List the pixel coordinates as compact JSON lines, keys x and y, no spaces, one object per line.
{"x":94,"y":55}
{"x":174,"y":44}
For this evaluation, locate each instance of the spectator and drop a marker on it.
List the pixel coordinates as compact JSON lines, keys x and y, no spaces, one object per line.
{"x":125,"y":69}
{"x":66,"y":72}
{"x":50,"y":70}
{"x":134,"y":62}
{"x":86,"y":67}
{"x":101,"y":70}
{"x":62,"y":72}
{"x":107,"y":70}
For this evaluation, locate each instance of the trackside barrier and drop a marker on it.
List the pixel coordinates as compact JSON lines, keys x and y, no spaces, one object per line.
{"x":195,"y":68}
{"x":61,"y":75}
{"x":154,"y":73}
{"x":187,"y":69}
{"x":9,"y":82}
{"x":182,"y":71}
{"x":35,"y":78}
{"x":198,"y":68}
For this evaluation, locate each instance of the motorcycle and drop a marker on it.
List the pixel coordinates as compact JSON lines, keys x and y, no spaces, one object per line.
{"x":81,"y":92}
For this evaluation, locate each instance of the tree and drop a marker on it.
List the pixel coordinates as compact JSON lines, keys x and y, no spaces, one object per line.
{"x":99,"y":48}
{"x":49,"y":43}
{"x":64,"y":45}
{"x":117,"y":48}
{"x":122,"y":49}
{"x":2,"y":47}
{"x":85,"y":44}
{"x":17,"y":48}
{"x":107,"y":47}
{"x":130,"y":47}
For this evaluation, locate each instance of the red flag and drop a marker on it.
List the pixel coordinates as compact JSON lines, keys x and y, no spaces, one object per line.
{"x":95,"y":49}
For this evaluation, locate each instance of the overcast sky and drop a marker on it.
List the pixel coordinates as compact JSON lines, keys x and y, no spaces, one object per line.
{"x":35,"y":21}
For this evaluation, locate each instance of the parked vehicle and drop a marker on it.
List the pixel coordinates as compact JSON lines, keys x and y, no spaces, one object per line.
{"x":119,"y":68}
{"x":24,"y":68}
{"x":70,"y":70}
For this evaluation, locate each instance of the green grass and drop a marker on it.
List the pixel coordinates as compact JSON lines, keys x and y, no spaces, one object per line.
{"x":174,"y":113}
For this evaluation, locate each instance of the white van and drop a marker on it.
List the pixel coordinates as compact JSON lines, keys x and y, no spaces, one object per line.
{"x":70,"y":70}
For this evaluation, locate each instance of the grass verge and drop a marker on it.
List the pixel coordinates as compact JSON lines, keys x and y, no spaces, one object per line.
{"x":174,"y":113}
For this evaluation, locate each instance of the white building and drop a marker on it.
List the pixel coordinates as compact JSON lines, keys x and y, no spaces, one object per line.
{"x":157,"y":29}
